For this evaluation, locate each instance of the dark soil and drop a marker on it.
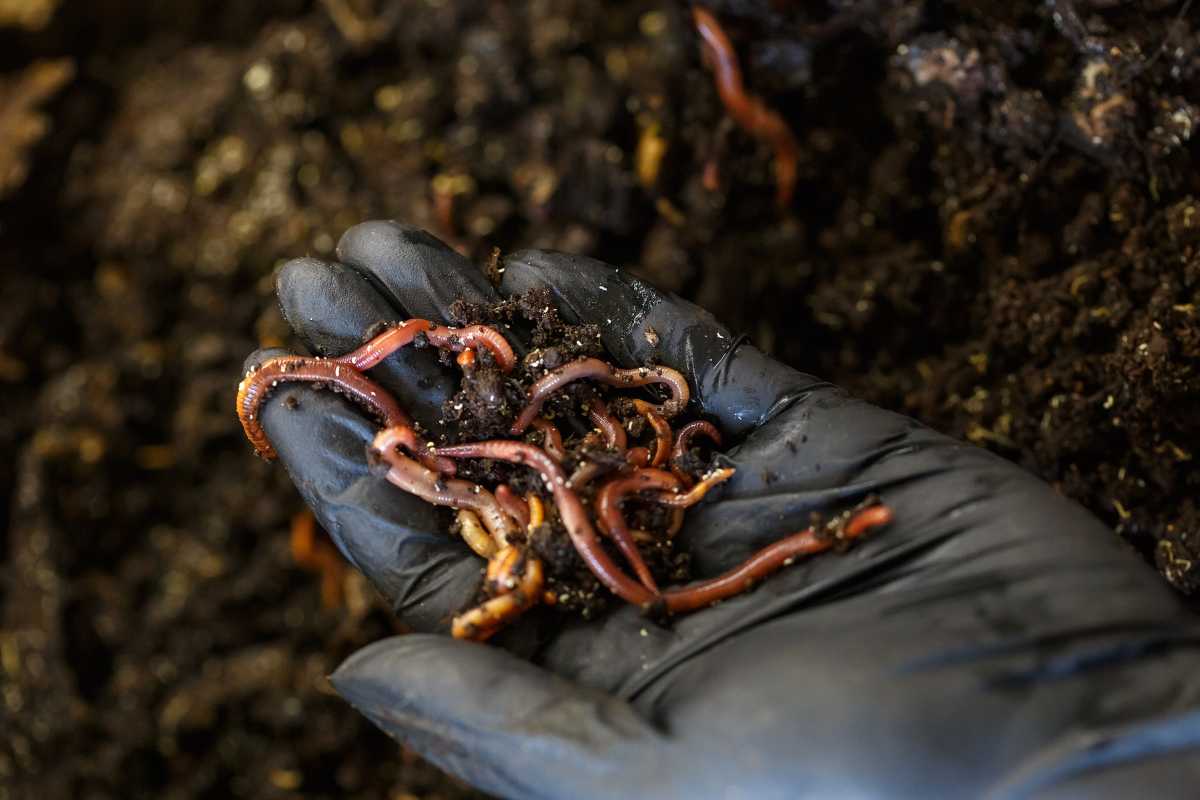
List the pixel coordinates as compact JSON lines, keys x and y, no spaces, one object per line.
{"x":996,"y":230}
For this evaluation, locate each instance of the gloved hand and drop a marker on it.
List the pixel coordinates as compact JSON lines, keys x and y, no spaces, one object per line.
{"x":996,"y":640}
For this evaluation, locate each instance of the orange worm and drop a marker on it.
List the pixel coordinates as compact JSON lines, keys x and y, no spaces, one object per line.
{"x":662,"y":431}
{"x":518,"y":578}
{"x":696,"y":493}
{"x":749,"y":111}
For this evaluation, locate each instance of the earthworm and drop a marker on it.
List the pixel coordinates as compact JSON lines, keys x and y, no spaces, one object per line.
{"x":513,"y":504}
{"x":404,"y":436}
{"x":537,"y":511}
{"x":316,"y":553}
{"x":553,"y":443}
{"x":607,"y":505}
{"x":389,"y":341}
{"x":662,"y":431}
{"x":498,"y":577}
{"x":520,"y":592}
{"x":473,"y":533}
{"x":694,"y":495}
{"x":440,"y":490}
{"x":675,"y":525}
{"x":570,"y":509}
{"x":597,"y":370}
{"x":683,"y":439}
{"x":683,"y":442}
{"x":767,"y":561}
{"x":610,"y":426}
{"x":585,"y":473}
{"x":870,"y":517}
{"x":638,"y":456}
{"x":458,"y":340}
{"x":259,"y":382}
{"x":749,"y":111}
{"x":473,"y":337}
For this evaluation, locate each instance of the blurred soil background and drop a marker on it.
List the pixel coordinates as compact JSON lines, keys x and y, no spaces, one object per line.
{"x":995,"y":229}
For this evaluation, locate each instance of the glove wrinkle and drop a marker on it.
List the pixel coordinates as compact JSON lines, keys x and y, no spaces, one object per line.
{"x":1079,"y":753}
{"x":800,"y":592}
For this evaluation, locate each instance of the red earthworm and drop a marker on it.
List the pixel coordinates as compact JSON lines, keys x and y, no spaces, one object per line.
{"x":683,"y":442}
{"x":570,"y":509}
{"x":404,"y":436}
{"x":513,"y":503}
{"x":342,"y":378}
{"x":695,"y":494}
{"x":662,"y":431}
{"x":585,"y":473}
{"x":607,"y":505}
{"x":466,"y":360}
{"x":553,"y":443}
{"x":638,"y":456}
{"x":440,"y":490}
{"x":610,"y":426}
{"x":768,"y":560}
{"x":683,"y":439}
{"x":474,"y":336}
{"x":597,"y":370}
{"x":389,"y":341}
{"x":456,"y":339}
{"x":749,"y":111}
{"x":870,"y":517}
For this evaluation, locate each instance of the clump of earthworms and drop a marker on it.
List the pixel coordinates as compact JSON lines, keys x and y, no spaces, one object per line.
{"x":566,"y":473}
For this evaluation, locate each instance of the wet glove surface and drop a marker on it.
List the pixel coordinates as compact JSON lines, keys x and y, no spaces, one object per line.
{"x":995,"y":640}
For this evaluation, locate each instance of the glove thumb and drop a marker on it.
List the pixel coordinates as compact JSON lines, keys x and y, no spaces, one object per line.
{"x":502,"y":724}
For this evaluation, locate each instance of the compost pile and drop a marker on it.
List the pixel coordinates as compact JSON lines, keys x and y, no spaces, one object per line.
{"x":995,"y":228}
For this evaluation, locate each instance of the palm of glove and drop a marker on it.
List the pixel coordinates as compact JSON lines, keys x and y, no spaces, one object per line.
{"x":840,"y":674}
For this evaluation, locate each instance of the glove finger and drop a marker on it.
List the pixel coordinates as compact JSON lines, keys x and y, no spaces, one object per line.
{"x":331,"y":307}
{"x":733,"y":381}
{"x":397,"y":540}
{"x":416,"y":270}
{"x":502,"y":724}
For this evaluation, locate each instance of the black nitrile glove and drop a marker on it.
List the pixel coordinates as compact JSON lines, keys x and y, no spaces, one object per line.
{"x":995,"y":641}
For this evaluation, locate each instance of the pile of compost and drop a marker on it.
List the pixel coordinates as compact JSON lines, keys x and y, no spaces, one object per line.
{"x":995,"y":229}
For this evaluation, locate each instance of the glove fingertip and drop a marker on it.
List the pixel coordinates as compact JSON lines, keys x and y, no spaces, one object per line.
{"x":420,"y":272}
{"x":330,"y":306}
{"x":256,"y":359}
